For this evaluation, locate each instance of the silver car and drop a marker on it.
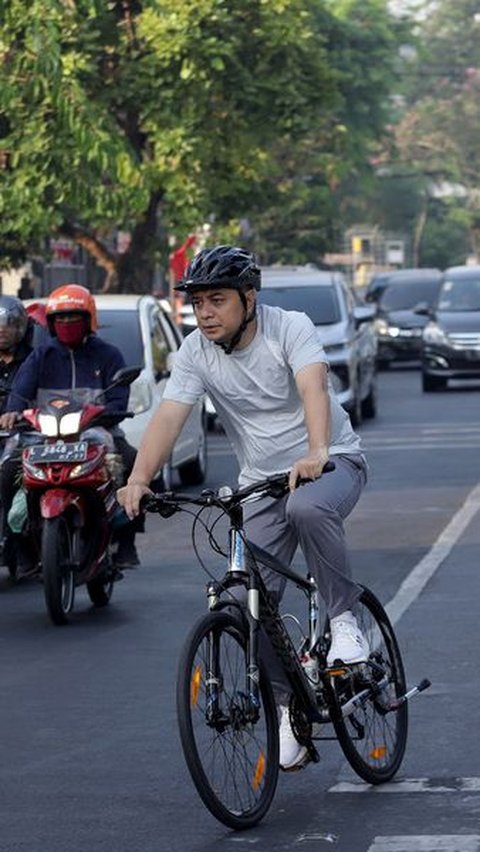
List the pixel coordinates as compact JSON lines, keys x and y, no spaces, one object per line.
{"x":345,"y":329}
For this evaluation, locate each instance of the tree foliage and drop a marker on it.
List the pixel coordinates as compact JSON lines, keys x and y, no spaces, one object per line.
{"x":438,"y":133}
{"x":121,"y":114}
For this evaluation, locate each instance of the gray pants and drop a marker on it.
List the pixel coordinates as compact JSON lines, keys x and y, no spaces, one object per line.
{"x":312,"y":518}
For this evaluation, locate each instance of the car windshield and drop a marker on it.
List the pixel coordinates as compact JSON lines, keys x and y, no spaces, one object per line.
{"x":319,"y":303}
{"x":121,"y":328}
{"x":460,"y":295}
{"x":404,"y":296}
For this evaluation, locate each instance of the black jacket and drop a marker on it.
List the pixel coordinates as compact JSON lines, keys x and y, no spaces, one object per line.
{"x":9,"y":371}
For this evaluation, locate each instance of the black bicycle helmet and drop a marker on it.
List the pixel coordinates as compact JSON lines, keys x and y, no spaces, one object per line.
{"x":14,"y":315}
{"x":221,"y":266}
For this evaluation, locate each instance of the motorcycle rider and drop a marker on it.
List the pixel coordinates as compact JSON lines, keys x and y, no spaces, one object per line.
{"x":76,"y":357}
{"x":15,"y":346}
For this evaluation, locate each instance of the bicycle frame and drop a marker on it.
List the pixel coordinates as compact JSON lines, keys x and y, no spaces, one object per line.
{"x":261,"y":611}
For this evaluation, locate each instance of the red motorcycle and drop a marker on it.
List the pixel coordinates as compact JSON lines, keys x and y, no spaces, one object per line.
{"x":70,"y":477}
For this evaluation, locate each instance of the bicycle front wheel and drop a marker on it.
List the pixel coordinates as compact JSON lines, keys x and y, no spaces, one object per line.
{"x":374,"y":737}
{"x":233,"y":760}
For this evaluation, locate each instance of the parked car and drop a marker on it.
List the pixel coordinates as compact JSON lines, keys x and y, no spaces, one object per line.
{"x":141,"y":327}
{"x":344,"y":327}
{"x":451,"y":337}
{"x":399,"y":325}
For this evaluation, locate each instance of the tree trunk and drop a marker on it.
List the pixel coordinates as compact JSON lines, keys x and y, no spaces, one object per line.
{"x":106,"y":259}
{"x":135,"y":268}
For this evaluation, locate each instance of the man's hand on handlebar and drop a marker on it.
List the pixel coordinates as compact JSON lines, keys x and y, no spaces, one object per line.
{"x":309,"y":467}
{"x":130,"y":496}
{"x":9,"y":419}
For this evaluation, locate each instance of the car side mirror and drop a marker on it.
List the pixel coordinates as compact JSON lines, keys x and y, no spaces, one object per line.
{"x":364,"y":313}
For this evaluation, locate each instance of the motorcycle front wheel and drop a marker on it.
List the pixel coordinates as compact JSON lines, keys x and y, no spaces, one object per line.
{"x":58,"y":575}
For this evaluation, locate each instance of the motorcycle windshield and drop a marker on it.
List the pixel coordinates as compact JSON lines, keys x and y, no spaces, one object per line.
{"x":61,"y":398}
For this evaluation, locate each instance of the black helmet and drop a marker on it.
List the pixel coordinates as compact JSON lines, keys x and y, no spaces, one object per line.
{"x":221,"y":266}
{"x":14,"y":315}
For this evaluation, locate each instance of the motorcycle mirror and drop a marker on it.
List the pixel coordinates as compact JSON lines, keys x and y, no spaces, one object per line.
{"x":125,"y":376}
{"x":122,"y":378}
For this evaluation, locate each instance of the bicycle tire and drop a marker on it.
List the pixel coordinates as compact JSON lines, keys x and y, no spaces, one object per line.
{"x":233,"y":762}
{"x":372,"y":740}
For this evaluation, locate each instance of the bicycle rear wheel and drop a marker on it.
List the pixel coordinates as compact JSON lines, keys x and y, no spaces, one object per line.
{"x":373,"y":738}
{"x":233,"y":760}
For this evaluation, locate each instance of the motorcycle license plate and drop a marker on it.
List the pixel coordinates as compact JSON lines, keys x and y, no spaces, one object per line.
{"x":51,"y":453}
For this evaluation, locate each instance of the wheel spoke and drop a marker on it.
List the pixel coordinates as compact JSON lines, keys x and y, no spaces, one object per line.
{"x":233,"y":761}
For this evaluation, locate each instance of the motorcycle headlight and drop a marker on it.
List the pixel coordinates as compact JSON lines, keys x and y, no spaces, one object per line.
{"x":48,"y":425}
{"x":432,"y":333}
{"x":70,"y":423}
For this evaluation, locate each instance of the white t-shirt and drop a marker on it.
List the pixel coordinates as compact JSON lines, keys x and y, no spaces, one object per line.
{"x":254,"y":392}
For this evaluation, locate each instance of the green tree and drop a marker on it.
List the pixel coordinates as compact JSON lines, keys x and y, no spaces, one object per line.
{"x":438,"y":132}
{"x":163,"y":113}
{"x":115,"y":113}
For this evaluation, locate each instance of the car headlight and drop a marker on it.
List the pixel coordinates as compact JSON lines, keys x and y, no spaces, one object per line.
{"x":382,"y":328}
{"x":140,"y":397}
{"x":432,"y":333}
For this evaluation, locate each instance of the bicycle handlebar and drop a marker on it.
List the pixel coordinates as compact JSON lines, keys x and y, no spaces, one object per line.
{"x":169,"y":502}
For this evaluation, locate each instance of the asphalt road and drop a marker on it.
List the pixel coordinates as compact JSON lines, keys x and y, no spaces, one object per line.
{"x":90,"y":755}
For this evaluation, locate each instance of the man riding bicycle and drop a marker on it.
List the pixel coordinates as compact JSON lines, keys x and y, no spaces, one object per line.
{"x":268,"y":377}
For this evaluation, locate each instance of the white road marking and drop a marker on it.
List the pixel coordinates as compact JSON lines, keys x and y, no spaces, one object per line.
{"x":427,"y":843}
{"x":328,"y":838}
{"x":422,"y":572}
{"x":411,"y":785}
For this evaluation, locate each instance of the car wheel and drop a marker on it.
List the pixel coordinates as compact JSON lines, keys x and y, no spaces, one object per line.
{"x":433,"y":383}
{"x":369,"y":404}
{"x":195,"y":471}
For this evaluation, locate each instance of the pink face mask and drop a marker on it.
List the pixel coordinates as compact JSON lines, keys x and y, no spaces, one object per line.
{"x":71,"y":334}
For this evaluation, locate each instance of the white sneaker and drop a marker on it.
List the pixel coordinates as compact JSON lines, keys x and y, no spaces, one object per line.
{"x":293,"y":755}
{"x":348,"y":644}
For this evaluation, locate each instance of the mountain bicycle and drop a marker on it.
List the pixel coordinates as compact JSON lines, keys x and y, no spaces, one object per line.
{"x":226,"y":709}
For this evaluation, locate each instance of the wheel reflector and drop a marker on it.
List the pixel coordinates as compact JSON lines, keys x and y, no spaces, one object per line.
{"x":195,"y":685}
{"x":378,"y":752}
{"x":259,"y":771}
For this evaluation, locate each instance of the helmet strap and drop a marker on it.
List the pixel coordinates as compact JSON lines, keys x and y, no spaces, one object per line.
{"x":235,"y":340}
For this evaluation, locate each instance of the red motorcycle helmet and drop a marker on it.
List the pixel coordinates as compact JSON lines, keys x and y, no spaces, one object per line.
{"x":71,"y":299}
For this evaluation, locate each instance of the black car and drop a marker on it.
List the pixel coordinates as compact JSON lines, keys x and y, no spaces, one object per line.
{"x":451,"y":338}
{"x":399,"y":324}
